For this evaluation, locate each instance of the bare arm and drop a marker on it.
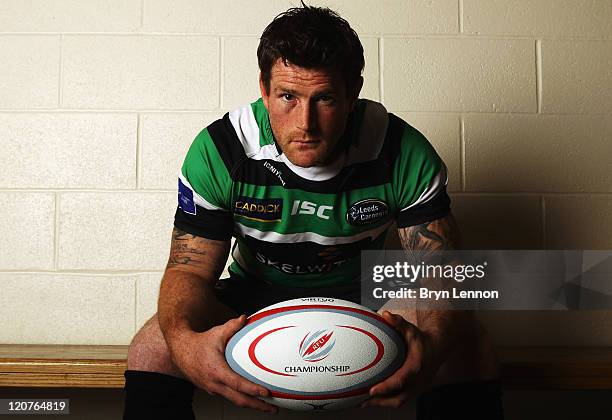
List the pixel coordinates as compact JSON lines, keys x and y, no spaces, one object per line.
{"x":187,"y":301}
{"x":196,"y":325}
{"x":442,"y":327}
{"x":429,"y":338}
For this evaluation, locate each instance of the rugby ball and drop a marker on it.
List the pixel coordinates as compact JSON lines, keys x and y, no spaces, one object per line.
{"x":316,"y":353}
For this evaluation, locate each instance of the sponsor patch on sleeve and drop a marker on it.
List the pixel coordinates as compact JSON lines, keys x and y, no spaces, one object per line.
{"x":185,"y":198}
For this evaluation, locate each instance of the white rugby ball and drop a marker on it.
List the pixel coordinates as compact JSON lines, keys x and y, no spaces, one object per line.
{"x":316,"y":353}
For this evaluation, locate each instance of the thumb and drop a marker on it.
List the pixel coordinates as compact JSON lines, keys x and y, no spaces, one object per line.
{"x":232,"y":326}
{"x":393,"y":319}
{"x":399,"y":323}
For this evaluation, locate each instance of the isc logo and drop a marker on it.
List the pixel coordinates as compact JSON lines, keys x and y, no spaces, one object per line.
{"x":306,"y":207}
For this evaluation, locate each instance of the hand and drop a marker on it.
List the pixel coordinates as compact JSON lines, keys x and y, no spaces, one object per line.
{"x":415,"y":374}
{"x":202,"y":359}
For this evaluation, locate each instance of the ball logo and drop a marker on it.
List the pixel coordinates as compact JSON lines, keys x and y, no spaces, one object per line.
{"x":315,"y":346}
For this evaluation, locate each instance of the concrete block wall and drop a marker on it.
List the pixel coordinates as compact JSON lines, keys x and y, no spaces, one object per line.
{"x":99,"y":100}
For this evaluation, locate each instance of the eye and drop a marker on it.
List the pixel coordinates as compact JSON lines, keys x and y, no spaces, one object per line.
{"x":327,"y":99}
{"x":287,"y":97}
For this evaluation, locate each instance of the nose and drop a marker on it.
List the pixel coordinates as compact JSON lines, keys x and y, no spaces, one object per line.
{"x":307,"y":117}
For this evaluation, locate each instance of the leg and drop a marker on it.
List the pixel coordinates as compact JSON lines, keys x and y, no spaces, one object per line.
{"x":154,"y":387}
{"x":467,"y":385}
{"x":148,"y":351}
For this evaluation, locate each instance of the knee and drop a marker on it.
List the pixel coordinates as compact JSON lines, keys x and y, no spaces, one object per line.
{"x":148,"y":351}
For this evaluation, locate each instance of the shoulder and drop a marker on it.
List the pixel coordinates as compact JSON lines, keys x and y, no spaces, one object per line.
{"x":240,"y":134}
{"x":379,"y":134}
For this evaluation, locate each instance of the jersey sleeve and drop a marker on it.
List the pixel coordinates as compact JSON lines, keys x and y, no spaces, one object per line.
{"x":419,"y":181}
{"x":204,"y":191}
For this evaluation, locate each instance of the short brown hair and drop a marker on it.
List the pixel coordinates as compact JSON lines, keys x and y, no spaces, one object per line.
{"x":311,"y":37}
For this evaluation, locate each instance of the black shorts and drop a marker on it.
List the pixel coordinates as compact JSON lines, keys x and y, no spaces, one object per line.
{"x":477,"y":400}
{"x":246,"y":296}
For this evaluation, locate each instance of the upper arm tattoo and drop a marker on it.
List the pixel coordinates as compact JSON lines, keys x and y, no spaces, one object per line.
{"x":197,"y":253}
{"x":183,"y":250}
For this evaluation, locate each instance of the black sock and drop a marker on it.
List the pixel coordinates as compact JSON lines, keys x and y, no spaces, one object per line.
{"x":152,"y":395}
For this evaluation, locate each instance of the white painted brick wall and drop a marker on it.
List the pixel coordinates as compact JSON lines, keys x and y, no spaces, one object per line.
{"x":30,"y":71}
{"x":100,"y":99}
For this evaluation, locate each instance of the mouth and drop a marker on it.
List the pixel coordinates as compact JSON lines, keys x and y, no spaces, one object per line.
{"x":306,"y":144}
{"x":306,"y":141}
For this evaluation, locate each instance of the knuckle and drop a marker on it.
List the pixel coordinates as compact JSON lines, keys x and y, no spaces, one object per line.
{"x":234,"y":383}
{"x":242,"y":402}
{"x":210,"y":389}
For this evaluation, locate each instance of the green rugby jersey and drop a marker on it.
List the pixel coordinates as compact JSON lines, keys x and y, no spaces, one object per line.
{"x":305,"y":227}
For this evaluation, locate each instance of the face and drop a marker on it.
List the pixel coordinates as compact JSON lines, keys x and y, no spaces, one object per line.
{"x":308,"y":110}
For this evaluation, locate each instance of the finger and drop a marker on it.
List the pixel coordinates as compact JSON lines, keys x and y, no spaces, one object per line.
{"x":236,"y":382}
{"x":396,"y":383}
{"x":243,"y":400}
{"x":406,"y":375}
{"x":393,"y":402}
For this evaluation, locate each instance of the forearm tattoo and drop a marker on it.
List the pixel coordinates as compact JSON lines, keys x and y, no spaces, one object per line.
{"x":428,"y":238}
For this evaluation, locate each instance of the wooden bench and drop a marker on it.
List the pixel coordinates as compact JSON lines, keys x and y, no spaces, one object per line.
{"x":36,"y":366}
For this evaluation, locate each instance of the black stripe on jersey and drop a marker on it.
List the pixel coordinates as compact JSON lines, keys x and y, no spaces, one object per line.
{"x":227,"y":143}
{"x":437,"y":207}
{"x":360,"y":175}
{"x":210,"y":224}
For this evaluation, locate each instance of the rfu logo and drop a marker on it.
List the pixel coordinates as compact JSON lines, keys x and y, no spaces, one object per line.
{"x":315,"y":346}
{"x":306,"y":207}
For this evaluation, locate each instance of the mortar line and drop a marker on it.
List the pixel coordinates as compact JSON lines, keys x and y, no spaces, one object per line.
{"x":56,"y":233}
{"x":539,"y":74}
{"x":136,"y":305}
{"x":460,"y":16}
{"x":173,"y":191}
{"x":85,"y":272}
{"x":380,"y":69}
{"x":222,"y":111}
{"x":532,"y":193}
{"x":221,"y":70}
{"x":142,"y":8}
{"x":138,"y":151}
{"x":60,"y":81}
{"x":462,"y":152}
{"x":415,"y":35}
{"x":543,"y":207}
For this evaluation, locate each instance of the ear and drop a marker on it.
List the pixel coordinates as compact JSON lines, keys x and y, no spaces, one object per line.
{"x":264,"y":93}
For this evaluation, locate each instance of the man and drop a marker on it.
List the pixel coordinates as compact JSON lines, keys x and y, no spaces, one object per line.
{"x":304,"y":178}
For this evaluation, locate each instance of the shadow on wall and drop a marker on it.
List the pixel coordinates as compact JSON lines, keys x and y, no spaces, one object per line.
{"x":515,"y":221}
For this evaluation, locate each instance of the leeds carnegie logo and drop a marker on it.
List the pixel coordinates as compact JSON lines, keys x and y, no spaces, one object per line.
{"x":261,"y":209}
{"x":366,"y":211}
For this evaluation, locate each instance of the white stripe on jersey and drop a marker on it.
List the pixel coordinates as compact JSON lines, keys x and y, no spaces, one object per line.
{"x":270,"y":236}
{"x":246,"y":128}
{"x":435,"y":185}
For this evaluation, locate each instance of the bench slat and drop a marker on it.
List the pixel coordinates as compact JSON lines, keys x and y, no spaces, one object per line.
{"x":103,"y":366}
